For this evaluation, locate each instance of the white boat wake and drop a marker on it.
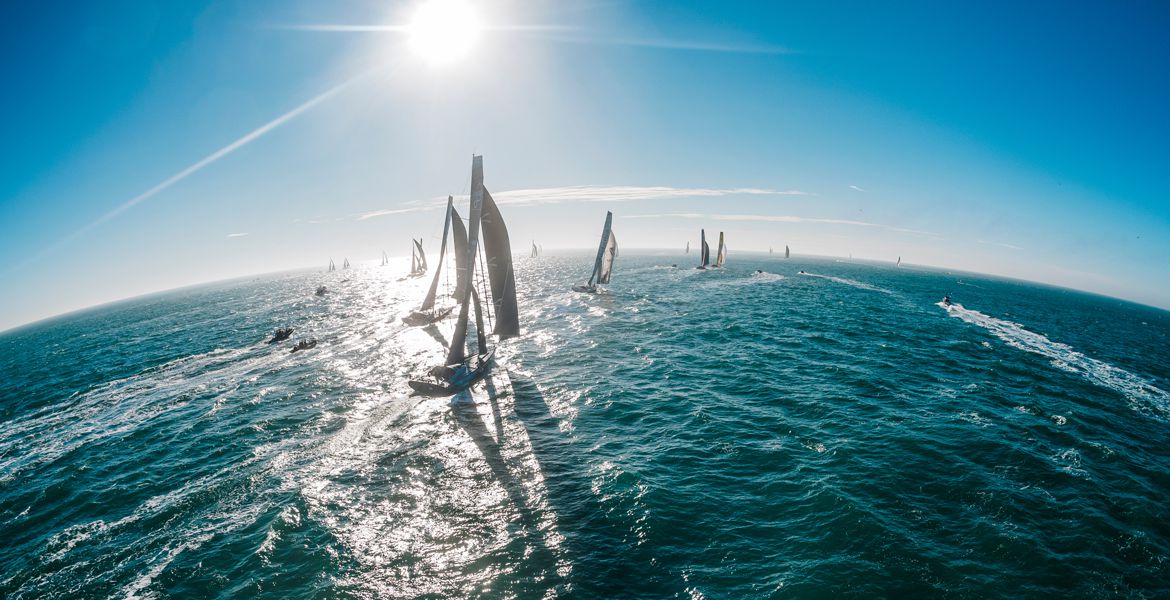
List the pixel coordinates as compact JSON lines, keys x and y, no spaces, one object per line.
{"x":850,"y":282}
{"x":1136,"y":388}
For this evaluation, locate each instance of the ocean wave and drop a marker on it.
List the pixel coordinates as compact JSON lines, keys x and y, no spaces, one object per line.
{"x":1134,"y":387}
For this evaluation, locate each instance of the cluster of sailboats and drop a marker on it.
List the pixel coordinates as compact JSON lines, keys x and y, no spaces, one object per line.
{"x":465,"y":363}
{"x":489,"y":291}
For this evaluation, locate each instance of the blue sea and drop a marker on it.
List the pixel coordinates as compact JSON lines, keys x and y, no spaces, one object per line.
{"x":685,"y":434}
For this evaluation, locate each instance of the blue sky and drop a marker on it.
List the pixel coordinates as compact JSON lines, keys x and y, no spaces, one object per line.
{"x":143,"y":139}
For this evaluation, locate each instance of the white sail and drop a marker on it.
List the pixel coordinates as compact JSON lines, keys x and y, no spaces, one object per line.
{"x":607,"y":259}
{"x":721,"y":255}
{"x":606,"y":251}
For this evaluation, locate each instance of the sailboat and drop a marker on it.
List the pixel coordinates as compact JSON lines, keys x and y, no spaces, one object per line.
{"x":385,"y":259}
{"x":427,"y":313}
{"x":461,"y":371}
{"x":721,"y":255}
{"x":606,"y":252}
{"x":704,"y":250}
{"x":899,"y":263}
{"x":688,"y":247}
{"x":418,"y":259}
{"x":769,"y":249}
{"x":332,"y":267}
{"x":535,"y":251}
{"x":787,"y":252}
{"x":346,"y":265}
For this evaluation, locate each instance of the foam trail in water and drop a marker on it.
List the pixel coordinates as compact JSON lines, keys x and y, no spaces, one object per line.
{"x":1136,"y":388}
{"x":850,"y":282}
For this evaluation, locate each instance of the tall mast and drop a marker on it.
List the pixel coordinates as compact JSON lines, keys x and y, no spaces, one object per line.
{"x":457,"y":352}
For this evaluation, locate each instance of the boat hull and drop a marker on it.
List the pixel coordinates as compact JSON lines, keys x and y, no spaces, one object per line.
{"x":454,"y":379}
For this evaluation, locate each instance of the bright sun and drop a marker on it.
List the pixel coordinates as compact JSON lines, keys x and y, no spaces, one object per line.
{"x":443,"y":31}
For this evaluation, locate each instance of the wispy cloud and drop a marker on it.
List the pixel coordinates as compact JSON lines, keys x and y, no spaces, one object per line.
{"x":236,"y":235}
{"x":783,"y":219}
{"x":585,"y":193}
{"x":1001,"y":244}
{"x":624,"y":193}
{"x":732,"y":47}
{"x":393,"y":211}
{"x":855,"y":188}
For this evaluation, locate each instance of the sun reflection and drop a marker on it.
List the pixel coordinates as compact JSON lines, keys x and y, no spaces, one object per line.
{"x":443,"y":31}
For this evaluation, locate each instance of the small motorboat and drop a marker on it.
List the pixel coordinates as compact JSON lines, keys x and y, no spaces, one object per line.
{"x":322,"y":290}
{"x":281,"y":335}
{"x":303,"y":345}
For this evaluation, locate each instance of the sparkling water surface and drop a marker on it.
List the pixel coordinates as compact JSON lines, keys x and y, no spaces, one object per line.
{"x":685,"y":434}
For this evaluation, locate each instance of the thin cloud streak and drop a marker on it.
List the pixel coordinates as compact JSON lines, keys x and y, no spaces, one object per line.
{"x":349,"y":28}
{"x":198,"y":166}
{"x":853,"y":187}
{"x":584,"y":193}
{"x":782,"y":219}
{"x":668,"y":44}
{"x":623,"y":193}
{"x":1002,"y":244}
{"x":236,"y":235}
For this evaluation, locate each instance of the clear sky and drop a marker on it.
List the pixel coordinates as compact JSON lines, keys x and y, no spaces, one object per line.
{"x":150,"y":145}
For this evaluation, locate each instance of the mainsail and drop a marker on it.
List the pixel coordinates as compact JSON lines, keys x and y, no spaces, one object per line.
{"x":786,"y":252}
{"x":459,"y":239}
{"x":346,"y":265}
{"x":534,"y":252}
{"x":606,"y":252}
{"x":704,"y":250}
{"x":429,"y":301}
{"x":721,"y":256}
{"x":498,"y":253}
{"x":688,"y":247}
{"x":899,"y":263}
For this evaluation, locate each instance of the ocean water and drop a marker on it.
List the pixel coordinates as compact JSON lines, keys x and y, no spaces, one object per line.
{"x":686,"y":434}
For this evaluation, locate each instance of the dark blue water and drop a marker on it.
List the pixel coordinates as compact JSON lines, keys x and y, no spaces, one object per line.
{"x":687,"y":434}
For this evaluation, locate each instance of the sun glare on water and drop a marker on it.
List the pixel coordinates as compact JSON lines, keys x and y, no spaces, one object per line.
{"x":443,"y":31}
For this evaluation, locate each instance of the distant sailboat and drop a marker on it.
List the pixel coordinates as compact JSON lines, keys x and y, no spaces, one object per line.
{"x":899,"y":263}
{"x":418,"y":259}
{"x":460,"y":370}
{"x":704,"y":250}
{"x":688,"y":247}
{"x":535,"y":252}
{"x":332,"y":267}
{"x":346,"y":265}
{"x":721,"y":255}
{"x":787,"y":253}
{"x":769,"y":250}
{"x":606,"y":252}
{"x":427,"y":313}
{"x":385,"y":259}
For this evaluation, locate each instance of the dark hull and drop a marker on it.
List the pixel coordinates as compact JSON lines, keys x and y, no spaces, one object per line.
{"x":460,"y":378}
{"x":417,"y":318}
